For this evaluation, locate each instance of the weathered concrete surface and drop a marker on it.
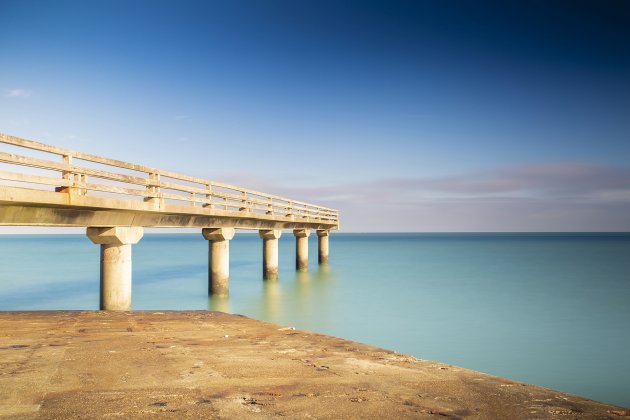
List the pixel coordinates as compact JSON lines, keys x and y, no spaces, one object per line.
{"x":213,"y":365}
{"x":218,"y":259}
{"x":322,"y":246}
{"x":301,"y":249}
{"x":115,"y":235}
{"x":116,"y":264}
{"x":270,"y":253}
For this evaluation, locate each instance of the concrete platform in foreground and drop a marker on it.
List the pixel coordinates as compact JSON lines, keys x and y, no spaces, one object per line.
{"x":214,"y":365}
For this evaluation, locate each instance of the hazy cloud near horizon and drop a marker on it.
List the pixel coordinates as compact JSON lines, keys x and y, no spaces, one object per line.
{"x":562,"y":196}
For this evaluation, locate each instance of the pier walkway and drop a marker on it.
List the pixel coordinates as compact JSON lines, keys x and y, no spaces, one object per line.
{"x":45,"y":185}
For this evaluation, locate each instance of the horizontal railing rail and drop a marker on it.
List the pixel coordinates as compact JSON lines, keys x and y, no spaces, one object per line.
{"x":149,"y":184}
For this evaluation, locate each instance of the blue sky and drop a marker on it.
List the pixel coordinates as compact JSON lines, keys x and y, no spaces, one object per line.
{"x":407,"y":116}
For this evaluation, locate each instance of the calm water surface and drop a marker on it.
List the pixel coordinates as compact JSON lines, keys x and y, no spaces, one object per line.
{"x":553,"y":310}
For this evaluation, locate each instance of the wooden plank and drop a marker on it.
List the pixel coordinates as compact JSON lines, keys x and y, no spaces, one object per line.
{"x":186,"y":198}
{"x":65,"y":167}
{"x":141,"y":193}
{"x":214,"y":193}
{"x":113,"y":189}
{"x":35,"y":179}
{"x":34,"y":145}
{"x":33,"y":162}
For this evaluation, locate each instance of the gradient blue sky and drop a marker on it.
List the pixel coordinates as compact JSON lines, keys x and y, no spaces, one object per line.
{"x":407,"y":116}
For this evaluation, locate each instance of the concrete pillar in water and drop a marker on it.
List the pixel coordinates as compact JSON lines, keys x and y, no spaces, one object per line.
{"x":270,"y":253}
{"x":301,"y":249}
{"x":115,"y":245}
{"x":322,"y":239}
{"x":218,"y":259}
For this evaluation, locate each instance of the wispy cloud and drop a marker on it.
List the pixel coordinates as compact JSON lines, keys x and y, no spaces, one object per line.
{"x":560,"y":179}
{"x":19,"y":121}
{"x":18,"y":93}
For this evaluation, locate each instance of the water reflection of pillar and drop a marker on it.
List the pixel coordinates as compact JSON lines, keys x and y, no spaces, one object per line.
{"x":219,"y":303}
{"x":303,"y":291}
{"x":324,"y":272}
{"x":271,"y":306}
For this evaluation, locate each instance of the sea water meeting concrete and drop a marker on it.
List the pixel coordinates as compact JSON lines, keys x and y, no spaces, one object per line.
{"x":207,"y":364}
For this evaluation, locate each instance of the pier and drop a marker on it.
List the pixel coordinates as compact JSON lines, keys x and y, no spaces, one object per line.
{"x":116,"y":200}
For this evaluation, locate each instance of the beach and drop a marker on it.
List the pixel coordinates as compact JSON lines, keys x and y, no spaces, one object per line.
{"x":182,"y":364}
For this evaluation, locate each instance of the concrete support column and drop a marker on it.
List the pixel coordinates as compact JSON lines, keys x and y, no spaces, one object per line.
{"x":115,"y":245}
{"x":270,"y":253}
{"x":322,"y":239}
{"x":301,"y":249}
{"x":218,"y":259}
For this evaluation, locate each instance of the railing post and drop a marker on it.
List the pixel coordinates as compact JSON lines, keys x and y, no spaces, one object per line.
{"x":81,"y":189}
{"x":270,"y":206}
{"x":244,"y":202}
{"x":153,"y":188}
{"x":208,"y":196}
{"x":67,"y":159}
{"x":69,"y":176}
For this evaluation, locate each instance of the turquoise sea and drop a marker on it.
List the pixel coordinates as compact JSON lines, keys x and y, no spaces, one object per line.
{"x":549,"y":309}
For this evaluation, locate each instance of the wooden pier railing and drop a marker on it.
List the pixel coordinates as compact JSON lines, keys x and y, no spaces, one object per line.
{"x":82,"y":175}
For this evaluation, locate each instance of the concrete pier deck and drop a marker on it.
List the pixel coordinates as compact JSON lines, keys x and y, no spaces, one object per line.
{"x":212,"y":365}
